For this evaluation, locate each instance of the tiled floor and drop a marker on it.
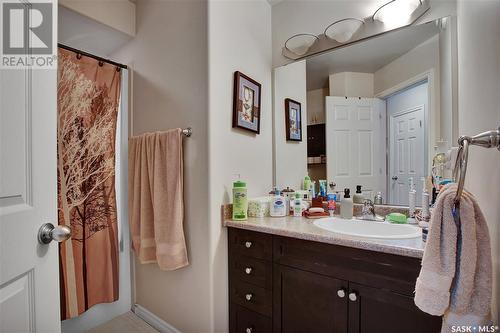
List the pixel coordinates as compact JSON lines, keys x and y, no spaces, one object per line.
{"x":126,"y":323}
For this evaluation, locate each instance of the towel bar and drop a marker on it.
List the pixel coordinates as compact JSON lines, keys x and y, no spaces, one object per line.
{"x":187,"y":132}
{"x":489,"y":139}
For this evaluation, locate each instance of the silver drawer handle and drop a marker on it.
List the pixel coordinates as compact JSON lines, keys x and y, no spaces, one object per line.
{"x":249,"y":330}
{"x":341,"y":293}
{"x":248,"y":297}
{"x":248,"y":270}
{"x":248,"y":244}
{"x":353,"y":297}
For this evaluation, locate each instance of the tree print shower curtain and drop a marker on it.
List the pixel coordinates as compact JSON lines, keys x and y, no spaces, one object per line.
{"x":87,"y":98}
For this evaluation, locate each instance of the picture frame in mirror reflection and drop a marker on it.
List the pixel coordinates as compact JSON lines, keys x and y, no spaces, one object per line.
{"x":293,"y":120}
{"x":246,"y":103}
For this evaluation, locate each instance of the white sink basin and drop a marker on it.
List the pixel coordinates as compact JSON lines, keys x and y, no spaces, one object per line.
{"x":369,"y":229}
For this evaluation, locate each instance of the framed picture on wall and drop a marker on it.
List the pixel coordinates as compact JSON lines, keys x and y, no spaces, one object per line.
{"x":293,"y":120}
{"x":246,"y":103}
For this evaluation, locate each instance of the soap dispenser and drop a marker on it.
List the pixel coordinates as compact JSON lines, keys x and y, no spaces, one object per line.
{"x":278,"y":205}
{"x":358,"y":196}
{"x":346,"y":205}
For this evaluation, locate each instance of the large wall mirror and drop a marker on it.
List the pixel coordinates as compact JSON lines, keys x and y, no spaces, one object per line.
{"x":375,"y":113}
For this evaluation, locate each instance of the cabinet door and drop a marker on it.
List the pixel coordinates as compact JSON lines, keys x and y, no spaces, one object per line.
{"x":378,"y":310}
{"x":308,"y":302}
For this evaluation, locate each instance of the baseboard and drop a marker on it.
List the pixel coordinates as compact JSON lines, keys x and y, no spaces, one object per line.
{"x":154,"y":320}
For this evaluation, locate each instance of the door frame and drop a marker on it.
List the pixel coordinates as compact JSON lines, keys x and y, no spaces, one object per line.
{"x":431,"y":116}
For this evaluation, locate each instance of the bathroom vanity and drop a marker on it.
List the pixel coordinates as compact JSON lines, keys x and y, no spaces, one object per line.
{"x":287,"y":275}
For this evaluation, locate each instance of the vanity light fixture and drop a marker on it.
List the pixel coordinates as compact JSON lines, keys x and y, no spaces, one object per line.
{"x":396,"y":12}
{"x":299,"y":44}
{"x":343,"y":30}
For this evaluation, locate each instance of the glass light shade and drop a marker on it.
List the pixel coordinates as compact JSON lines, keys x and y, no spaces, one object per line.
{"x":397,"y":13}
{"x":343,"y":30}
{"x":301,"y":43}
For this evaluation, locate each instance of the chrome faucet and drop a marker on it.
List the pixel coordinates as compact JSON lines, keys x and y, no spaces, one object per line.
{"x":368,"y":212}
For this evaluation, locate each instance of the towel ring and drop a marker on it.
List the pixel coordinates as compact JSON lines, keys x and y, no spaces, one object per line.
{"x":489,"y":139}
{"x":460,"y":168}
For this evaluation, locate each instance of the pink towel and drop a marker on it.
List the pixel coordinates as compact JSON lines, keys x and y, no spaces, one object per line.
{"x":456,"y":281}
{"x":156,"y":207}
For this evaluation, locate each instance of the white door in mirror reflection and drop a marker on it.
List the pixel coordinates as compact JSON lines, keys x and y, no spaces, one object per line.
{"x":407,"y":149}
{"x":356,"y":144}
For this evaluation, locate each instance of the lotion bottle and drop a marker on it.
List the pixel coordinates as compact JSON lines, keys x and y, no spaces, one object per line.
{"x":278,"y":205}
{"x":240,"y":201}
{"x":346,"y":205}
{"x":358,"y":196}
{"x":297,"y":206}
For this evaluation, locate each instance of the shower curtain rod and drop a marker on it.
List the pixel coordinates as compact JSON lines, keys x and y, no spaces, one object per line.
{"x":69,"y":48}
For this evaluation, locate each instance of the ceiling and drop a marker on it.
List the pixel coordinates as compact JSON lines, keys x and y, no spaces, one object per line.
{"x":367,"y":56}
{"x":83,"y":33}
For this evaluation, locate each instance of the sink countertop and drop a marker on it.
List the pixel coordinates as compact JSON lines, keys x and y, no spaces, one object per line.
{"x":303,"y":228}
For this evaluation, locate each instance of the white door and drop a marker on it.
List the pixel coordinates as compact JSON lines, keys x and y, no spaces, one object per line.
{"x":356,"y":144}
{"x":29,"y":271}
{"x":406,"y":112}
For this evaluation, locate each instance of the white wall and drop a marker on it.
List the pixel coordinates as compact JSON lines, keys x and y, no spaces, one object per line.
{"x":351,"y":84}
{"x":239,"y":39}
{"x":290,"y":156}
{"x":479,"y":110}
{"x":117,"y":14}
{"x":168,"y":57}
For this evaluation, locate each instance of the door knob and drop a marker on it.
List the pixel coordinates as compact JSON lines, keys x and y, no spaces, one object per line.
{"x":248,"y":245}
{"x":341,"y":293}
{"x":248,"y":270}
{"x":395,"y":178}
{"x":48,"y":233}
{"x":353,"y":297}
{"x":248,"y":297}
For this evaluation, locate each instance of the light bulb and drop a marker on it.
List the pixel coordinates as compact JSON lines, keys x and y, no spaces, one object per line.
{"x":397,"y":13}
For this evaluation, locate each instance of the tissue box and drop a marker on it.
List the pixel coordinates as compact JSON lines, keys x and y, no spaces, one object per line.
{"x":259,"y":207}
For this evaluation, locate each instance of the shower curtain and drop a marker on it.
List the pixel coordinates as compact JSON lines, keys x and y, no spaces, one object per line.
{"x":87,"y":98}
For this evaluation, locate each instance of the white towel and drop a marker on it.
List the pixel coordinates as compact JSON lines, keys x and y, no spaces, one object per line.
{"x":455,"y":280}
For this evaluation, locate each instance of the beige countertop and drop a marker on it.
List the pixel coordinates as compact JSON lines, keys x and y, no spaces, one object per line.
{"x":303,"y":228}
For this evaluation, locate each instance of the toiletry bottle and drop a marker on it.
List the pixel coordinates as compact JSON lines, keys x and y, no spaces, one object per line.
{"x":297,"y":206}
{"x":425,"y":201}
{"x":378,"y":200}
{"x":412,"y":197}
{"x":346,"y":206}
{"x":307,"y":183}
{"x":358,"y":196}
{"x":322,"y":188}
{"x":332,"y":205}
{"x":240,"y":200}
{"x":312,"y":190}
{"x":278,"y":205}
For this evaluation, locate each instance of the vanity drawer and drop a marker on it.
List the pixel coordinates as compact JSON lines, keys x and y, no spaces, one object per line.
{"x":380,"y":270}
{"x":250,"y":243}
{"x":250,"y":270}
{"x":246,"y":321}
{"x":252,"y":297}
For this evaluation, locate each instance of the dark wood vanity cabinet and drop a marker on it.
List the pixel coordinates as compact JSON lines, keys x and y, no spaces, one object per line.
{"x":280,"y":284}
